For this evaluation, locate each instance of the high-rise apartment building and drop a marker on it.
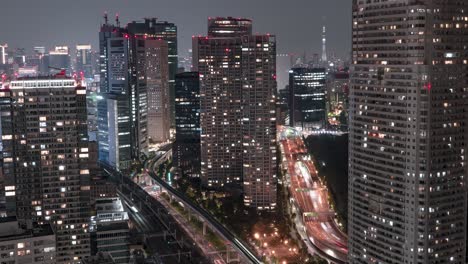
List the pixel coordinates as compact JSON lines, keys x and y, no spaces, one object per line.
{"x":45,"y":159}
{"x":84,"y":61}
{"x":238,"y":118}
{"x":307,"y":98}
{"x":186,"y":150}
{"x":166,"y":31}
{"x":408,"y":136}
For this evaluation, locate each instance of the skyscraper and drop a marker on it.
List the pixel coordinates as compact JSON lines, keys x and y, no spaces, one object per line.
{"x":117,"y":108}
{"x":238,"y":119}
{"x":3,"y":54}
{"x":131,"y":66}
{"x":166,"y":31}
{"x":307,"y":98}
{"x":84,"y":63}
{"x":408,"y":117}
{"x":186,"y":150}
{"x":45,"y":159}
{"x":59,"y":58}
{"x":157,"y":76}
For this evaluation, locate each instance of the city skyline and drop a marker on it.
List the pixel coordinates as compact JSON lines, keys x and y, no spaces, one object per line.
{"x":307,"y":21}
{"x":262,"y":132}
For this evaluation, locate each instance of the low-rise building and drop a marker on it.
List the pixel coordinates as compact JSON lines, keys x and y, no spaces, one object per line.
{"x":26,"y":245}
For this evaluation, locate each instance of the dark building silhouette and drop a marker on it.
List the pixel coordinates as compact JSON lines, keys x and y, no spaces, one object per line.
{"x":186,"y":150}
{"x":307,"y":98}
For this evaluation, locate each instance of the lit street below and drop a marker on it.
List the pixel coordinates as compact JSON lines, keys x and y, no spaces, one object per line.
{"x":310,"y":199}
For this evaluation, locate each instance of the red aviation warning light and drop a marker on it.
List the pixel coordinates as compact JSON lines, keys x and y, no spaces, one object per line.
{"x":428,"y":86}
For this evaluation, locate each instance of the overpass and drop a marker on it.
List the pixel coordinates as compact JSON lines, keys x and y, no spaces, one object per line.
{"x":241,"y":247}
{"x":246,"y":254}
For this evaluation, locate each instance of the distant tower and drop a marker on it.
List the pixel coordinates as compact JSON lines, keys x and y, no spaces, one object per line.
{"x":324,"y":44}
{"x":3,"y":54}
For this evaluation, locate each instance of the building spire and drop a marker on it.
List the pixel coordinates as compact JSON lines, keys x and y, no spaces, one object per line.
{"x":324,"y":45}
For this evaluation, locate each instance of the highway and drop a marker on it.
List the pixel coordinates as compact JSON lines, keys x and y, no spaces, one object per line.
{"x":310,"y":196}
{"x":163,"y":234}
{"x":240,"y":246}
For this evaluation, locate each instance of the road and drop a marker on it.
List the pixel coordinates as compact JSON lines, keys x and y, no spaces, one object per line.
{"x":311,"y":198}
{"x":163,"y":235}
{"x":240,"y":246}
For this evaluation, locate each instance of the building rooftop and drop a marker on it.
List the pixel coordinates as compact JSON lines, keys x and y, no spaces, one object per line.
{"x":10,"y":229}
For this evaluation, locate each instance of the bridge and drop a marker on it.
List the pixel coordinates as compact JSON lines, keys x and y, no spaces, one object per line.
{"x":208,"y":220}
{"x":130,"y":190}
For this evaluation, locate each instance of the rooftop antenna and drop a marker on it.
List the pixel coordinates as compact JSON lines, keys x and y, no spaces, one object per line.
{"x":117,"y":21}
{"x":106,"y":20}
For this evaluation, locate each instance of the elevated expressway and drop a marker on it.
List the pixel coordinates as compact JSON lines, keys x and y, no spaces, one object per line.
{"x":310,"y":199}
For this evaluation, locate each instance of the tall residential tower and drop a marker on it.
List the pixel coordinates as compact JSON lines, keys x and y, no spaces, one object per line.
{"x":238,"y":121}
{"x":408,"y":134}
{"x":45,"y":160}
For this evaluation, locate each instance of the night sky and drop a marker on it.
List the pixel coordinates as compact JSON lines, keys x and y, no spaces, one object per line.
{"x":297,"y":23}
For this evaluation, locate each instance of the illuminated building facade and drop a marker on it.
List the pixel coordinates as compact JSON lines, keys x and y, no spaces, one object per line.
{"x":186,"y":150}
{"x":337,"y":98}
{"x":408,"y":136}
{"x":157,"y":81}
{"x":45,"y":160}
{"x":238,"y":117}
{"x":3,"y":54}
{"x":307,"y":98}
{"x":130,"y":65}
{"x":162,"y":30}
{"x":84,"y":63}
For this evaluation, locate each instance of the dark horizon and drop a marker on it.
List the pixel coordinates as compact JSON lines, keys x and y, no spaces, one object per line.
{"x":297,"y":25}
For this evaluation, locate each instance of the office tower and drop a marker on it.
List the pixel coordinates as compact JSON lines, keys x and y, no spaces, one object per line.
{"x":324,"y":45}
{"x":19,"y":57}
{"x":283,"y":64}
{"x":84,"y":63}
{"x":282,"y":106}
{"x":45,"y":159}
{"x":39,"y":56}
{"x":238,"y":119}
{"x":3,"y":54}
{"x":122,"y":102}
{"x":39,"y":51}
{"x":32,"y":245}
{"x":163,"y":30}
{"x":92,"y":95}
{"x":6,"y":128}
{"x":407,"y":171}
{"x":307,"y":98}
{"x":110,"y":231}
{"x":185,"y":62}
{"x":159,"y":116}
{"x":337,"y":98}
{"x":59,"y":58}
{"x":186,"y":150}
